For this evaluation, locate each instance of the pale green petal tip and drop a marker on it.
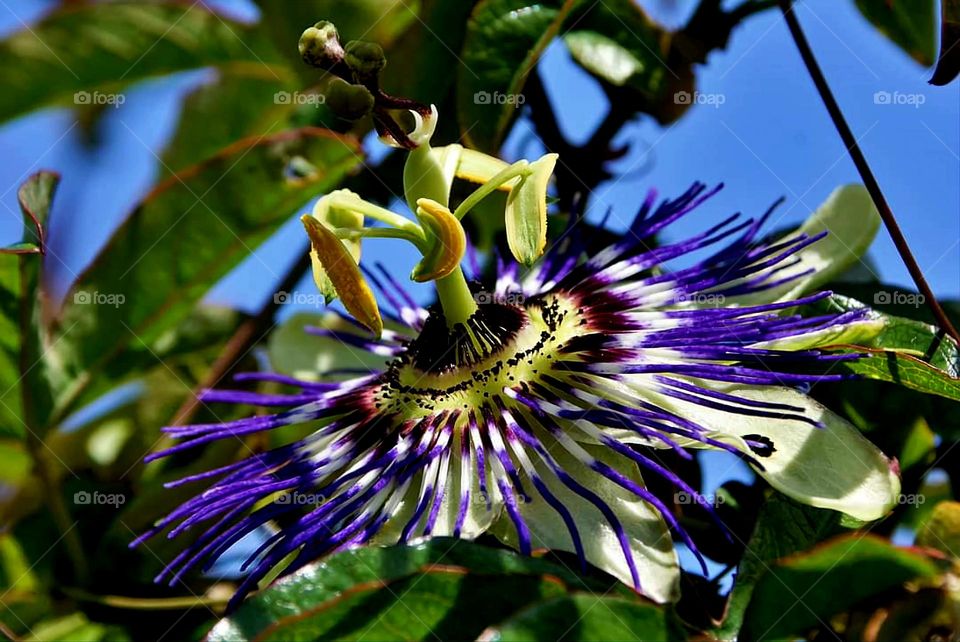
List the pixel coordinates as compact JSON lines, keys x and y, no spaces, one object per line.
{"x":836,"y":467}
{"x":526,"y":215}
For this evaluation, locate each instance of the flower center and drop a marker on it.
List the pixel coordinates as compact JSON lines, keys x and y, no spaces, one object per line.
{"x":501,"y":345}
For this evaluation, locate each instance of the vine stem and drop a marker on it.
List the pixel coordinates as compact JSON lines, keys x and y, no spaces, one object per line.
{"x":860,"y":161}
{"x":44,"y":468}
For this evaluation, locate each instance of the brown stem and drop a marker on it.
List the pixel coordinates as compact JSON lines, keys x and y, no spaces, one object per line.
{"x":245,"y":337}
{"x":889,"y":220}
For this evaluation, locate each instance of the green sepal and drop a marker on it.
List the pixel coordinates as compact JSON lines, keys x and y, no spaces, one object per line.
{"x":526,"y":214}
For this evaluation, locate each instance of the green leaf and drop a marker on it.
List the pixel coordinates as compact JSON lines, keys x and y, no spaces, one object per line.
{"x":906,"y":370}
{"x":189,"y":232}
{"x":934,"y":490}
{"x":242,"y":101}
{"x":24,"y":597}
{"x":357,"y":594}
{"x":585,"y":617}
{"x":617,"y":42}
{"x":86,"y":54}
{"x":433,"y":41}
{"x":35,"y":198}
{"x":784,"y":527}
{"x":911,"y":25}
{"x":803,"y":590}
{"x":77,"y":628}
{"x":919,"y":446}
{"x":906,"y":352}
{"x":504,"y":41}
{"x":25,"y":373}
{"x":948,"y":63}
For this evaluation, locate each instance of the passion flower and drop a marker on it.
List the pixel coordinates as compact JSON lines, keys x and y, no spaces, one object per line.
{"x":529,"y":405}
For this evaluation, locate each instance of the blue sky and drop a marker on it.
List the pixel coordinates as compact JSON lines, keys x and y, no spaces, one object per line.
{"x":771,"y":137}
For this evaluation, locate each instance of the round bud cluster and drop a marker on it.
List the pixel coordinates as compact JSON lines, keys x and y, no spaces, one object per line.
{"x":320,"y":46}
{"x":348,"y":100}
{"x":366,"y":59}
{"x":355,"y":68}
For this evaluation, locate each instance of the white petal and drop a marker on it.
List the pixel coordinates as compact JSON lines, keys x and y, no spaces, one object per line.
{"x":649,"y":539}
{"x":482,"y":508}
{"x":831,"y":467}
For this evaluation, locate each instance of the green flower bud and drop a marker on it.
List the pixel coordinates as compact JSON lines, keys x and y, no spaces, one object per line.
{"x":366,"y":59}
{"x":348,"y":101}
{"x":320,"y":45}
